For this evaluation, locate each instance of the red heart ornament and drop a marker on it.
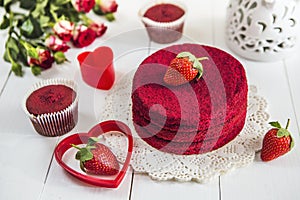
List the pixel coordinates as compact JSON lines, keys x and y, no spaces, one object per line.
{"x":97,"y":68}
{"x":82,"y":138}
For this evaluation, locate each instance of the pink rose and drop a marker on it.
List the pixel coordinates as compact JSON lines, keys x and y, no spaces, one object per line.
{"x":83,"y":36}
{"x":45,"y":59}
{"x":108,"y":6}
{"x":83,"y":5}
{"x":98,"y":28}
{"x":64,"y":29}
{"x":56,"y":44}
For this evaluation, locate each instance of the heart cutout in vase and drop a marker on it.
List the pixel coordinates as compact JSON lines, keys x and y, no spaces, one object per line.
{"x":97,"y":68}
{"x":82,"y":138}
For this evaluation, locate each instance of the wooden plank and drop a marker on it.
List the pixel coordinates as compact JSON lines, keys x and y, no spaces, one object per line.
{"x":147,"y":189}
{"x":129,"y":48}
{"x":277,"y":179}
{"x":26,"y":155}
{"x":198,"y":29}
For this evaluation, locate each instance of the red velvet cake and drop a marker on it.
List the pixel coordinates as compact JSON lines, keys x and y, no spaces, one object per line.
{"x":164,"y":21}
{"x":52,"y":107}
{"x":193,"y":118}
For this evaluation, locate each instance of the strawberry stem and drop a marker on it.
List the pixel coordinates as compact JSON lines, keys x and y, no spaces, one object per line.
{"x":287,"y":124}
{"x":202,"y":58}
{"x":73,"y":145}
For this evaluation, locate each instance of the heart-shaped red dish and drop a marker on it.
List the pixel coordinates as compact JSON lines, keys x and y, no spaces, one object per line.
{"x":82,"y":138}
{"x":97,"y":68}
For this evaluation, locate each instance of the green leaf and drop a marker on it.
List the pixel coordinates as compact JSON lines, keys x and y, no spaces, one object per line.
{"x":27,"y":28}
{"x":5,"y":57}
{"x":82,"y":167}
{"x":36,"y":70}
{"x":292,"y":143}
{"x":7,"y":2}
{"x":12,"y":50}
{"x":92,"y":141}
{"x":5,"y":23}
{"x":31,"y":28}
{"x":186,"y":54}
{"x":1,"y":3}
{"x":275,"y":124}
{"x":78,"y":155}
{"x":23,"y":55}
{"x":39,"y":8}
{"x":283,"y":132}
{"x":17,"y":69}
{"x":44,"y":20}
{"x":27,"y":4}
{"x":61,"y":2}
{"x":86,"y":154}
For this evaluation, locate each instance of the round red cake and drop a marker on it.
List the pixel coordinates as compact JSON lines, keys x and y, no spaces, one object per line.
{"x":196,"y":117}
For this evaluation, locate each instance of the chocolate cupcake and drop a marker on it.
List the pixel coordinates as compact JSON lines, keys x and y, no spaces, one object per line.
{"x":164,"y":21}
{"x":52,"y":106}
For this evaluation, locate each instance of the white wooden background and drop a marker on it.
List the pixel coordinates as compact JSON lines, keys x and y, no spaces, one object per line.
{"x":27,"y":167}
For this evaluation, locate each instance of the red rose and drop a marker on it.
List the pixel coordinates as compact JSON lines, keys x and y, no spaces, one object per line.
{"x":56,"y":44}
{"x":45,"y":59}
{"x":107,"y":6}
{"x":99,"y":29}
{"x":83,"y":36}
{"x":83,"y":5}
{"x":64,"y":29}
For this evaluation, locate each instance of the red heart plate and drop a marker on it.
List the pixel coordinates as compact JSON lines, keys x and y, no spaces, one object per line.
{"x":82,"y":138}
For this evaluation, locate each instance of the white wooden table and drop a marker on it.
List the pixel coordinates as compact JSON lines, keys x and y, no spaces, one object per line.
{"x":27,"y":167}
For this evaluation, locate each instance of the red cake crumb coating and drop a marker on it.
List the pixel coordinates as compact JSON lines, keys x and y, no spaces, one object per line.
{"x":50,"y":99}
{"x":164,"y":12}
{"x":207,"y":113}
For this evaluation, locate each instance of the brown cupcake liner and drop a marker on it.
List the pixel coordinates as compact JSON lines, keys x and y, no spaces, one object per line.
{"x":56,"y":123}
{"x":163,"y":32}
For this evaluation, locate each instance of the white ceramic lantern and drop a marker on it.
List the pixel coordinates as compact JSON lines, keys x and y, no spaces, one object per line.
{"x":264,"y":30}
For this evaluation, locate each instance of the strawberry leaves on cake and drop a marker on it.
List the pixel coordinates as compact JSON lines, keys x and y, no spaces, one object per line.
{"x":183,"y":69}
{"x":277,"y":142}
{"x":96,"y":158}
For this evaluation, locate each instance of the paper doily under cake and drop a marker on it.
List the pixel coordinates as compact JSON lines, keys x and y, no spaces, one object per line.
{"x":201,"y":168}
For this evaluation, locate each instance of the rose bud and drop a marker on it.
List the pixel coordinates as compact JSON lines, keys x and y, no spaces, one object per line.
{"x":44,"y":61}
{"x":64,"y":30}
{"x":108,"y":6}
{"x":56,"y":44}
{"x":98,"y":28}
{"x":59,"y":57}
{"x":83,"y":36}
{"x":83,"y":5}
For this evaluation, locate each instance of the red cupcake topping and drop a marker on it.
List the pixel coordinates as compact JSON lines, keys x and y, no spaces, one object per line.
{"x":50,"y":99}
{"x":164,"y":12}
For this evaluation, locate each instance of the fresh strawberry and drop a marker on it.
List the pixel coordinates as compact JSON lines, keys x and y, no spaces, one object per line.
{"x":184,"y":68}
{"x":97,"y":158}
{"x":277,"y":142}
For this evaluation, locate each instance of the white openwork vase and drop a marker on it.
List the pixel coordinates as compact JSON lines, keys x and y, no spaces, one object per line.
{"x":263,"y":30}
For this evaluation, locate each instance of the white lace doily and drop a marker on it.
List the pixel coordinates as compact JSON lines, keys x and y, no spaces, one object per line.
{"x":201,"y":168}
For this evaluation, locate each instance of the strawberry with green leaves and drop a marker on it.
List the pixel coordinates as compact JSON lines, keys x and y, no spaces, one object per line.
{"x":96,"y":158}
{"x":184,"y":68}
{"x":277,"y":142}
